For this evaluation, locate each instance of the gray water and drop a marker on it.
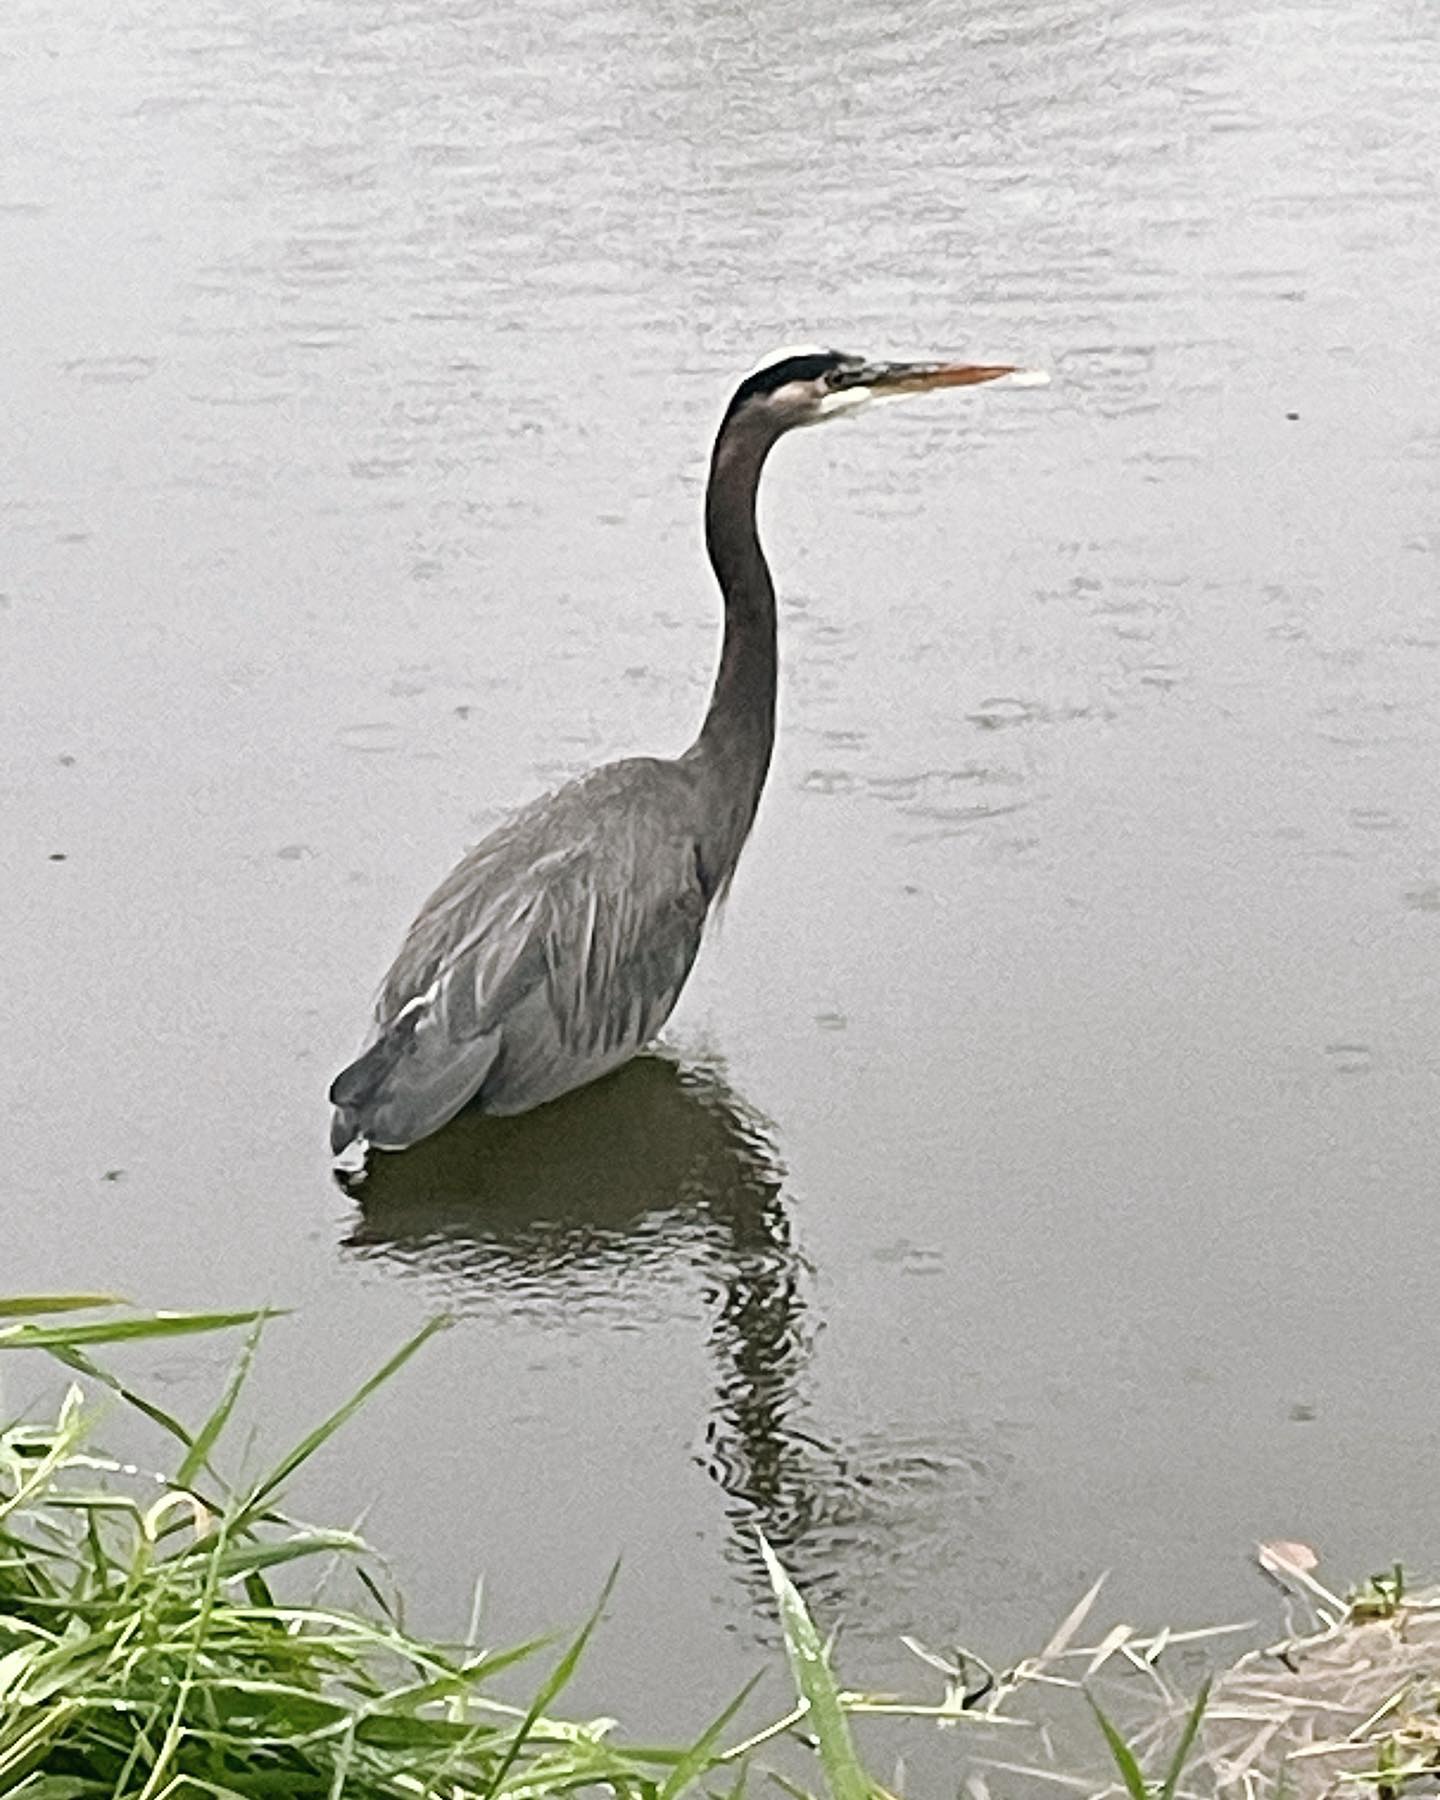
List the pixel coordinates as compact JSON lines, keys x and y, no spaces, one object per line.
{"x":1041,"y":1174}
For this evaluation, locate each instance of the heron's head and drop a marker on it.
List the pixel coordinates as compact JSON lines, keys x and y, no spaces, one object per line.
{"x":807,"y":385}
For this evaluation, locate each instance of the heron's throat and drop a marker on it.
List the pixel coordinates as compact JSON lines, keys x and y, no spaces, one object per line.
{"x":733,"y":749}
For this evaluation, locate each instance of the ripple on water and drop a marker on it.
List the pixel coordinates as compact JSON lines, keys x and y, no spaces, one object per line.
{"x":908,"y":1258}
{"x":954,"y":794}
{"x":829,"y":781}
{"x":1114,"y":379}
{"x":1001,"y":711}
{"x":877,"y":1512}
{"x":1350,"y":1058}
{"x":1158,"y":675}
{"x":1004,"y":712}
{"x":115,"y":371}
{"x":376,"y":737}
{"x":952,"y":798}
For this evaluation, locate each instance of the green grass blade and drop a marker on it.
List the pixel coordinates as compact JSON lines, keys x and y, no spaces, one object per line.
{"x":124,"y":1331}
{"x":810,"y":1666}
{"x":257,"y":1589}
{"x":1187,"y":1739}
{"x":29,"y":1306}
{"x":554,"y":1682}
{"x":249,"y":1557}
{"x":197,"y":1457}
{"x":58,"y":1787}
{"x":1121,"y":1753}
{"x":312,"y":1441}
{"x":700,"y":1757}
{"x":787,"y":1786}
{"x":344,"y":1756}
{"x":458,"y":1682}
{"x":737,"y":1789}
{"x":85,"y":1365}
{"x":36,"y":1480}
{"x":26,"y":1747}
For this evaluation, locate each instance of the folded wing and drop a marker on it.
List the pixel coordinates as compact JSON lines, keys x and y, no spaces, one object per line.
{"x":533,"y":969}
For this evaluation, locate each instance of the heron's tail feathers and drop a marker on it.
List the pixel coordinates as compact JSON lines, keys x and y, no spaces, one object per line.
{"x":406,"y":1085}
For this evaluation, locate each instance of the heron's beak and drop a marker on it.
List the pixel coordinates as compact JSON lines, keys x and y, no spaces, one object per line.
{"x":887,"y":380}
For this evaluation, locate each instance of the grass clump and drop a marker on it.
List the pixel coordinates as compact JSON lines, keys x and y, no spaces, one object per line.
{"x":145,"y":1652}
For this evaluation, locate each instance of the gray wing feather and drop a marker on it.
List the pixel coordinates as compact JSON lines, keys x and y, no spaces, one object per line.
{"x":551,"y":953}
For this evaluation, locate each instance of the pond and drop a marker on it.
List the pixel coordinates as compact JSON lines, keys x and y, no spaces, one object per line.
{"x":1039,"y":1173}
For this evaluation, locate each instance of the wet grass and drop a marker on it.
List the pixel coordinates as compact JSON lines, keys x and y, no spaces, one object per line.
{"x":167,"y":1634}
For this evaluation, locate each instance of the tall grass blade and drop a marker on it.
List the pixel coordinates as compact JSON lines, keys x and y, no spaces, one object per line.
{"x":701,"y":1755}
{"x":125,"y":1331}
{"x":247,"y":1557}
{"x":1121,"y":1754}
{"x":555,"y":1681}
{"x":197,"y":1457}
{"x":28,"y":1306}
{"x":737,"y":1790}
{"x":787,"y":1786}
{"x":312,"y":1441}
{"x":1187,"y":1739}
{"x":456,"y":1682}
{"x":1125,"y":1760}
{"x":22,"y":1752}
{"x":810,"y":1666}
{"x":82,"y":1364}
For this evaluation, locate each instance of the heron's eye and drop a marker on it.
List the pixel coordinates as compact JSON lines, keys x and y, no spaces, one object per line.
{"x":834,"y":378}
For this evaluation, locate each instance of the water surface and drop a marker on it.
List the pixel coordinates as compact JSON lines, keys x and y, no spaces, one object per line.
{"x":1040,"y":1176}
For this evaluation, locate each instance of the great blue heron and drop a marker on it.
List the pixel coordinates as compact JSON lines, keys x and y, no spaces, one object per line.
{"x":557,"y":948}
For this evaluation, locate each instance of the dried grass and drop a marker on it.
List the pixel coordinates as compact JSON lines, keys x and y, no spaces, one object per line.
{"x":1346,"y":1704}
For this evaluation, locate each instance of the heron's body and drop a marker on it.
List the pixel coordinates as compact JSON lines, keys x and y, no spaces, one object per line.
{"x":557,"y":948}
{"x":552,"y":953}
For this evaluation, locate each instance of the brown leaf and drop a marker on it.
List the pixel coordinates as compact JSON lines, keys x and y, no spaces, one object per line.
{"x":1281,"y":1557}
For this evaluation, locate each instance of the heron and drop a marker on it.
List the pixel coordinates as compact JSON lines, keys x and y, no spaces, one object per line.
{"x":557,"y":947}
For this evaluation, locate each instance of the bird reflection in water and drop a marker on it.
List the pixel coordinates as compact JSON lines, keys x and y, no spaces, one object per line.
{"x":657,"y":1175}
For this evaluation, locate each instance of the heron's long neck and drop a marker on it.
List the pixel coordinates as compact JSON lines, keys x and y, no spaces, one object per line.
{"x":732,"y":752}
